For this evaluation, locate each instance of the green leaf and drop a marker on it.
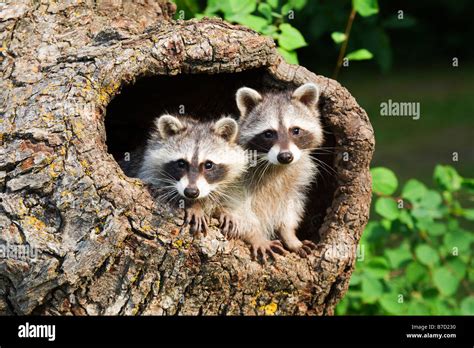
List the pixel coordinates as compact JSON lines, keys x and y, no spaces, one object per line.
{"x":447,"y":178}
{"x":213,"y":6}
{"x":290,"y":56}
{"x":429,"y":206}
{"x":338,"y":37}
{"x":431,"y":227}
{"x":457,"y":267}
{"x":298,"y":4}
{"x":467,"y":306}
{"x":384,"y":181}
{"x":445,"y":281}
{"x":269,"y":30}
{"x":371,"y":288}
{"x":273,"y":3}
{"x":366,"y":7}
{"x":413,"y":190}
{"x":377,"y":267}
{"x":427,"y":255}
{"x":406,"y":218}
{"x":238,"y":7}
{"x":387,"y":208}
{"x":389,"y":302}
{"x":459,"y":239}
{"x":398,"y":256}
{"x":468,"y":184}
{"x":266,"y":10}
{"x":374,"y":231}
{"x":342,"y":306}
{"x":286,"y":8}
{"x":468,"y":214}
{"x":290,"y":38}
{"x":361,"y":54}
{"x":415,"y":272}
{"x":356,"y":279}
{"x":417,"y":308}
{"x":253,"y":22}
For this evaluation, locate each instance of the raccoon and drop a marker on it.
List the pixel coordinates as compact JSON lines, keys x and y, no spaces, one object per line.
{"x":283,"y":128}
{"x":199,"y":162}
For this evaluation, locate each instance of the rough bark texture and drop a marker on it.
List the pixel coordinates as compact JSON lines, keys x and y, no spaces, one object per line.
{"x":104,"y":246}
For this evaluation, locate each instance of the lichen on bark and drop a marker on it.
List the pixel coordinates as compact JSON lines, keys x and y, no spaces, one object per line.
{"x":104,"y":245}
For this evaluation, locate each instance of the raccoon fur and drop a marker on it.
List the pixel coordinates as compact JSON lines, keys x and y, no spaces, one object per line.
{"x":283,"y":128}
{"x":198,"y":162}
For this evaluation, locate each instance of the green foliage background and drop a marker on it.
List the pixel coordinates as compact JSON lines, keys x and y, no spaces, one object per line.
{"x":416,"y":253}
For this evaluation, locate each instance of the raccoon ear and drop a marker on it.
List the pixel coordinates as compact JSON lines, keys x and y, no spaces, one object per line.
{"x":168,"y":126}
{"x":247,"y":99}
{"x":227,"y":128}
{"x":308,"y":94}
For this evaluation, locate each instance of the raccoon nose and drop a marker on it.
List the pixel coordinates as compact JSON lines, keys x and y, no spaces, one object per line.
{"x":285,"y":157}
{"x":191,"y":192}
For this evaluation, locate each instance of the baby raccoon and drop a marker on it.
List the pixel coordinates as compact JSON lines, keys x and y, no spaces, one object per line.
{"x":283,"y":128}
{"x":197,"y":161}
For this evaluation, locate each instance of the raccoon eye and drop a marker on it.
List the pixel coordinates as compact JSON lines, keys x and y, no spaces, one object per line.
{"x":181,"y":164}
{"x":268,"y":134}
{"x":295,"y":131}
{"x":208,"y":165}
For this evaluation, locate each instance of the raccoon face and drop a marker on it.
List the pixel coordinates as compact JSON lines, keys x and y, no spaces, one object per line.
{"x":193,"y":159}
{"x":280,"y":126}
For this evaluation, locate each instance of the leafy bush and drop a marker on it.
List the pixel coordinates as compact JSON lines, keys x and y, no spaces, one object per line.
{"x":416,"y":259}
{"x":269,"y":17}
{"x":272,"y":18}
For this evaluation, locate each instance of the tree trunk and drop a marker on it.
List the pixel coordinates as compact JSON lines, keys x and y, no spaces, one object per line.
{"x":95,"y":240}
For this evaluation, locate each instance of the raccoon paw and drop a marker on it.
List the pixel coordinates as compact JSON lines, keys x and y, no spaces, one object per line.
{"x":228,"y":225}
{"x":264,"y":248}
{"x":197,"y":221}
{"x":306,"y":248}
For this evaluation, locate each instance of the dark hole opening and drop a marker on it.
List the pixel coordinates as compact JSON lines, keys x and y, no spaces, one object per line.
{"x":130,"y":114}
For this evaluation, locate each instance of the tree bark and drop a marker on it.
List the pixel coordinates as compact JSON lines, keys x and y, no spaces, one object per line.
{"x":104,"y":247}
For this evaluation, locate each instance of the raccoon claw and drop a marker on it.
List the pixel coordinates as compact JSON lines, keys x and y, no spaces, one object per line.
{"x":270,"y":248}
{"x":228,"y":226}
{"x":306,"y":249}
{"x":197,"y":221}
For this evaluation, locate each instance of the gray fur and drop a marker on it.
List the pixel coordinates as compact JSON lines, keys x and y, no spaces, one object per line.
{"x":276,"y":194}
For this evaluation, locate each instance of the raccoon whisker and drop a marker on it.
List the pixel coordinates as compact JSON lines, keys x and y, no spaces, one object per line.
{"x":324,"y":166}
{"x":322,"y":163}
{"x":258,"y":172}
{"x":327,"y":132}
{"x":262,"y":174}
{"x":323,"y":149}
{"x":166,"y":176}
{"x":214,"y":197}
{"x":168,"y":196}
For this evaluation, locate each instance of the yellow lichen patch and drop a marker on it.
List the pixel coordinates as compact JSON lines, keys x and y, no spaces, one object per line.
{"x":47,"y":117}
{"x":178,"y":243}
{"x":34,"y":222}
{"x":22,"y":209}
{"x":106,"y":92}
{"x":86,"y":167}
{"x":147,"y":228}
{"x":55,"y":168}
{"x":270,"y":309}
{"x":78,"y":127}
{"x":253,"y":302}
